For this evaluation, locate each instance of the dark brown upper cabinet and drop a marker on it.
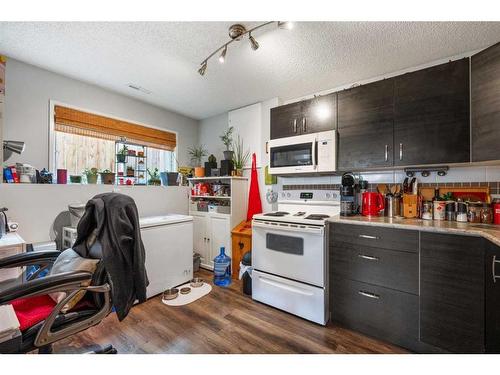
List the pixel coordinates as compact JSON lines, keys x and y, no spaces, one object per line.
{"x":431,"y":115}
{"x":485,"y":99}
{"x":308,"y":116}
{"x":365,"y":126}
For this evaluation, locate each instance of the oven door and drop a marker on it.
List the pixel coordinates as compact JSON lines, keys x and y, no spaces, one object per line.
{"x":292,"y":155}
{"x":293,"y":251}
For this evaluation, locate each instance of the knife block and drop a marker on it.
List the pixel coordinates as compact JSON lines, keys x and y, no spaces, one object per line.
{"x":410,"y":205}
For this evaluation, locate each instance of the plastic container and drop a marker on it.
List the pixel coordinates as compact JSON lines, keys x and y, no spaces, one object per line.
{"x":246,"y":279}
{"x":222,"y":269}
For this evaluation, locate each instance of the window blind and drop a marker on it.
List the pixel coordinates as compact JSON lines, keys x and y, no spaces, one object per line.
{"x":73,"y":121}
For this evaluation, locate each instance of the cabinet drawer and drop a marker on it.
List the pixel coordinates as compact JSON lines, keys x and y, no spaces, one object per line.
{"x":392,"y":269}
{"x":377,"y":311}
{"x":367,"y":235}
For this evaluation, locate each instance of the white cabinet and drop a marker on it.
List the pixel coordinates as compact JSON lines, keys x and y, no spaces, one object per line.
{"x":210,"y":233}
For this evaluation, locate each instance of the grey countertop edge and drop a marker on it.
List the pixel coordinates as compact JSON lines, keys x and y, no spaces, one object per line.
{"x":491,"y":233}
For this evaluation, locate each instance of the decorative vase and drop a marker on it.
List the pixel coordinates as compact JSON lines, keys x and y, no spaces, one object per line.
{"x":199,"y":172}
{"x":222,"y":269}
{"x":120,"y":158}
{"x":75,"y":179}
{"x":228,"y":155}
{"x":239,"y":172}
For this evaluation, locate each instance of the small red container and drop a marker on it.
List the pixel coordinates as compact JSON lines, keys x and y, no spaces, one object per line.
{"x":62,"y":176}
{"x":496,"y":211}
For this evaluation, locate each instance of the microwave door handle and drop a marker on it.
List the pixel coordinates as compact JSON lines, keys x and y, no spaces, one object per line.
{"x":314,"y":161}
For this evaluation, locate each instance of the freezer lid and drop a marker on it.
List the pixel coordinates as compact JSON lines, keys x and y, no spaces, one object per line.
{"x":154,"y":221}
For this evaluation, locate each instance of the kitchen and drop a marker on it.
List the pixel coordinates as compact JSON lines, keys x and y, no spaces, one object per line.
{"x":379,"y":188}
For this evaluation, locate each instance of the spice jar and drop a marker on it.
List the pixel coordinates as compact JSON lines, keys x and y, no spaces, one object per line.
{"x":427,"y":210}
{"x":474,"y":212}
{"x":486,"y":214}
{"x":461,"y":212}
{"x":450,"y":211}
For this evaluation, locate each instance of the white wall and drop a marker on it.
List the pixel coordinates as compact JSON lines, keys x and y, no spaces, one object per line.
{"x":26,"y":116}
{"x":210,"y":129}
{"x":42,"y":210}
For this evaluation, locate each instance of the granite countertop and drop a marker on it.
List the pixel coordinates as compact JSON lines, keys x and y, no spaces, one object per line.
{"x":488,"y":231}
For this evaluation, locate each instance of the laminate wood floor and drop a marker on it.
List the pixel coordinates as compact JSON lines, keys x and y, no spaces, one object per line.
{"x":224,"y":321}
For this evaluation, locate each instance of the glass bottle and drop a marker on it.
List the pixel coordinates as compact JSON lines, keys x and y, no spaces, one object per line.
{"x":222,"y":269}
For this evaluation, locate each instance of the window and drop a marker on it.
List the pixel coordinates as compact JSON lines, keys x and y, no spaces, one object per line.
{"x":83,"y":140}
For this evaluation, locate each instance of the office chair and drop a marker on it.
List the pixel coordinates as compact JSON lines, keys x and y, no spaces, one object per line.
{"x":42,"y":321}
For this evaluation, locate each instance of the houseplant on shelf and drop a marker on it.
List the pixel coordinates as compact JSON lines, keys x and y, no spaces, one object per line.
{"x":227,"y":139}
{"x":91,"y":174}
{"x":107,"y":177}
{"x":121,"y":156}
{"x":240,"y":157}
{"x":196,"y":154}
{"x":154,"y":177}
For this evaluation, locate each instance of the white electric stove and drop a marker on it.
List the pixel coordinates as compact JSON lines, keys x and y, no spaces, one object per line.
{"x":289,"y":253}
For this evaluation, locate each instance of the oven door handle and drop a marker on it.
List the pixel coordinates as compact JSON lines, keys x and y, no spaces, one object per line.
{"x":288,"y":228}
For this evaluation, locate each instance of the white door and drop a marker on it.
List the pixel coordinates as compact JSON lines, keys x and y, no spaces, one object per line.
{"x":220,"y":235}
{"x":200,"y":238}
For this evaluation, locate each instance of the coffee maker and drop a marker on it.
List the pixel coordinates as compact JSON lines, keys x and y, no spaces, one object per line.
{"x":348,"y":195}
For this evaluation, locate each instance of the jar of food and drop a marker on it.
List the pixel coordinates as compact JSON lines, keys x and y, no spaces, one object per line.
{"x":474,"y":212}
{"x":450,"y":211}
{"x":439,"y":210}
{"x":486,"y":214}
{"x":496,"y":211}
{"x":427,"y":210}
{"x":461,"y":215}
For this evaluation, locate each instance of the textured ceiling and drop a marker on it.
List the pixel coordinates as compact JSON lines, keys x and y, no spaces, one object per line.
{"x":163,"y":57}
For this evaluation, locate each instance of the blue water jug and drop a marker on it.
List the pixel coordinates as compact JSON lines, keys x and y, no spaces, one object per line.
{"x":222,"y":269}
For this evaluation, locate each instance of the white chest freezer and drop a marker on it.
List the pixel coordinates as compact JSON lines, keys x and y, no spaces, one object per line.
{"x":168,"y":242}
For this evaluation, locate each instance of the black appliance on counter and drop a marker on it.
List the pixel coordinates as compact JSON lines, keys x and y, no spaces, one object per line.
{"x":348,"y":195}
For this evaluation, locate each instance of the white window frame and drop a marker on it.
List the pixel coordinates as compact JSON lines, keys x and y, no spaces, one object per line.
{"x":52,"y":134}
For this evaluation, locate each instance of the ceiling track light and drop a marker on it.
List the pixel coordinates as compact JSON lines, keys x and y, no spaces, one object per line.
{"x":222,"y":56}
{"x":236,"y":33}
{"x":203,"y":68}
{"x":253,"y":43}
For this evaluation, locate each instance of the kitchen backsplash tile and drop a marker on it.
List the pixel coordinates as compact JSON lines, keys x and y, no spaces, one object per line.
{"x":456,"y":176}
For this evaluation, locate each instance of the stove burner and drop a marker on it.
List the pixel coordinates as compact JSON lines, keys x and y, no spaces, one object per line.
{"x":277,"y":213}
{"x":317,"y":217}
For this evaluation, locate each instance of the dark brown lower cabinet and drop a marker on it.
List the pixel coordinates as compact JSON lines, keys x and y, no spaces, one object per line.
{"x":492,"y":295}
{"x":452,"y":303}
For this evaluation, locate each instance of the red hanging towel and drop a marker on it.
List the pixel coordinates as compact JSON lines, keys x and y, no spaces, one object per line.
{"x":254,"y":203}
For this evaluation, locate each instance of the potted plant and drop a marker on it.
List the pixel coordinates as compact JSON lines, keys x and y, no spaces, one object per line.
{"x":154,"y":177}
{"x":227,"y":139}
{"x":121,"y":156}
{"x":107,"y":177}
{"x":240,"y":157}
{"x":91,"y":175}
{"x":196,"y":154}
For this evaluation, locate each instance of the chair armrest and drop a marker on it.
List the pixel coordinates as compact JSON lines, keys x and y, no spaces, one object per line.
{"x":59,"y":282}
{"x":29,"y":258}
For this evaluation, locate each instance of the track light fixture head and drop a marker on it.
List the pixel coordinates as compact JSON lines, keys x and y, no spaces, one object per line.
{"x":222,"y":57}
{"x":285,"y":25}
{"x":253,"y":42}
{"x":203,"y":68}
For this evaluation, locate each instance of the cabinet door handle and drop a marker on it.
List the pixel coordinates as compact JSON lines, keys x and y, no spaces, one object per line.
{"x":267,"y":147}
{"x":241,"y":245}
{"x":205,"y":239}
{"x":368,"y":257}
{"x":400,"y":151}
{"x":304,"y":125}
{"x":369,"y":295}
{"x":368,"y":237}
{"x":493,"y":273}
{"x":295,"y":125}
{"x":386,"y":152}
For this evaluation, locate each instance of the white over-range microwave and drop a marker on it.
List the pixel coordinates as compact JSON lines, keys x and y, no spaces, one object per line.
{"x":307,"y":153}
